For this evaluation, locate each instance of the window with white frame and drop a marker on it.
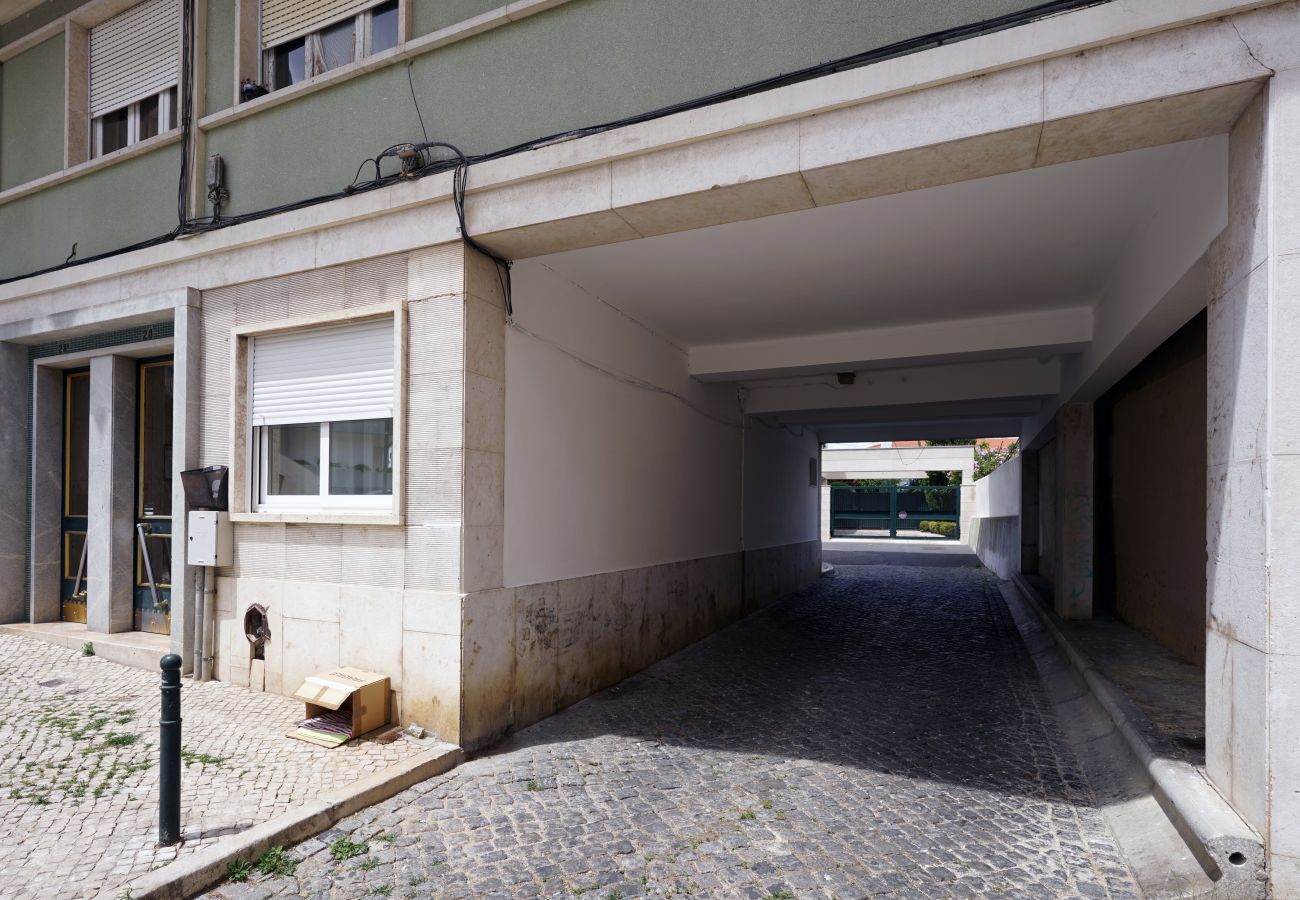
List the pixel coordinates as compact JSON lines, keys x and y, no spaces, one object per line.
{"x":305,"y":38}
{"x":322,"y":418}
{"x":134,"y":70}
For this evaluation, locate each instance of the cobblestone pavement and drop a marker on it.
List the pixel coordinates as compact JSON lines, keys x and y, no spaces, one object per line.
{"x":78,"y":768}
{"x":880,"y":734}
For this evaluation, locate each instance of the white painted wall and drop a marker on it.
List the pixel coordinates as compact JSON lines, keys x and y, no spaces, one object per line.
{"x":993,"y":530}
{"x":781,"y":506}
{"x":605,"y":469}
{"x":998,"y":493}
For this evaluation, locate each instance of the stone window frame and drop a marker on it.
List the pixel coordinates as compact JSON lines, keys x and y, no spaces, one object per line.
{"x":79,"y":128}
{"x":242,"y":444}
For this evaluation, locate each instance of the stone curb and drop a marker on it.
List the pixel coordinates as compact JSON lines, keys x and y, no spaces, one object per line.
{"x":191,"y":874}
{"x":1228,"y":849}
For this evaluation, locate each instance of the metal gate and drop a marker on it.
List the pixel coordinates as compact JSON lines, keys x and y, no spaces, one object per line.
{"x":889,"y":510}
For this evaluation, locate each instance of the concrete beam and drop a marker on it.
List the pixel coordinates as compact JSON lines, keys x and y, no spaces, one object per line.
{"x":1038,"y":333}
{"x":919,"y":431}
{"x":897,"y":462}
{"x":1008,"y":378}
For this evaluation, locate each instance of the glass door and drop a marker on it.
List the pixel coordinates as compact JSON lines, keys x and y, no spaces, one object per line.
{"x":76,"y":472}
{"x":153,"y":514}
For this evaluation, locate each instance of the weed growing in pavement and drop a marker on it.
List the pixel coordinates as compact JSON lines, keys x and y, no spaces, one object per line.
{"x":767,"y":803}
{"x":276,"y":862}
{"x":189,"y":757}
{"x":368,"y":864}
{"x":383,"y":890}
{"x":615,"y":894}
{"x":88,"y":649}
{"x":108,"y":758}
{"x":534,"y":784}
{"x":121,"y":740}
{"x":747,"y":815}
{"x":384,"y":837}
{"x":345,"y":848}
{"x":415,"y":880}
{"x":781,"y":895}
{"x":238,"y":870}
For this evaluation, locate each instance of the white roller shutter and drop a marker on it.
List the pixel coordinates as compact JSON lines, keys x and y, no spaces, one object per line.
{"x":285,"y":19}
{"x":329,"y":374}
{"x":135,"y":54}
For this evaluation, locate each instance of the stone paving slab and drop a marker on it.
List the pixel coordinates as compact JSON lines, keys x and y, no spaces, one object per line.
{"x":78,"y":768}
{"x":883,"y":733}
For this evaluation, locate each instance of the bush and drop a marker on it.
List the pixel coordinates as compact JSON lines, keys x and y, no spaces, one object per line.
{"x":946,"y":529}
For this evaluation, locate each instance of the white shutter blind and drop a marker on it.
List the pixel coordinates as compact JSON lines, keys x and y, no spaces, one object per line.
{"x":284,"y":19}
{"x":135,"y":54}
{"x":328,"y":374}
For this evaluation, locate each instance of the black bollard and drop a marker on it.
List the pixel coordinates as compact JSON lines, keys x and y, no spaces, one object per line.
{"x":169,"y":753}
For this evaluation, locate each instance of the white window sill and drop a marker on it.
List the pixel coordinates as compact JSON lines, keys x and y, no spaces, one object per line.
{"x":324,"y":517}
{"x":91,"y":165}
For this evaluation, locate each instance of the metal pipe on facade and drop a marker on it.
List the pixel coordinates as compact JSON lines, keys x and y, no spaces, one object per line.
{"x":200,"y":590}
{"x":208,"y":606}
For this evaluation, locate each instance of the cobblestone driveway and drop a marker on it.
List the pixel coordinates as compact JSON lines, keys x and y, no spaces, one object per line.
{"x":79,"y":768}
{"x":882,"y":733}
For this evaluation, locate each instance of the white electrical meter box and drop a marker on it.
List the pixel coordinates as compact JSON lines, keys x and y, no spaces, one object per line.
{"x":209,"y":539}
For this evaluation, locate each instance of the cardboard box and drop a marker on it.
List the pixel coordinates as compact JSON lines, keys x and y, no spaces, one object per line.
{"x":365,"y":695}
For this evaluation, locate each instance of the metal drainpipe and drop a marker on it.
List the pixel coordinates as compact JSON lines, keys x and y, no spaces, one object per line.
{"x":200,"y":589}
{"x":209,"y":604}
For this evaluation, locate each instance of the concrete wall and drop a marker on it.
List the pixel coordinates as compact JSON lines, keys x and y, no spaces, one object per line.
{"x":781,"y":502}
{"x":994,"y":528}
{"x":385,"y":598}
{"x":635,"y":57}
{"x":31,"y":125}
{"x":603,"y":475}
{"x":1151,"y":445}
{"x":40,"y":229}
{"x":623,"y":513}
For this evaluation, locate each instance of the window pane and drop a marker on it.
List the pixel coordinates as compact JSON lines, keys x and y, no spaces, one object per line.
{"x":173,"y":110}
{"x":338,"y":44}
{"x":148,"y":117}
{"x":288,"y":64}
{"x":78,"y":435}
{"x":383,"y":27}
{"x":114,"y":133}
{"x":155,"y":449}
{"x":361,"y":457}
{"x":293,"y":460}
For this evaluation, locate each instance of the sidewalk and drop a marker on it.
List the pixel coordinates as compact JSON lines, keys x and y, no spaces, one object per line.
{"x":78,"y":768}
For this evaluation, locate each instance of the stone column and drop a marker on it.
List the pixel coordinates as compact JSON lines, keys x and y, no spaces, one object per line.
{"x":13,"y":499}
{"x":1252,"y":657}
{"x":1074,"y":508}
{"x":185,"y":455}
{"x":1029,"y":512}
{"x":488,"y":613}
{"x":47,"y":493}
{"x":110,"y":559}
